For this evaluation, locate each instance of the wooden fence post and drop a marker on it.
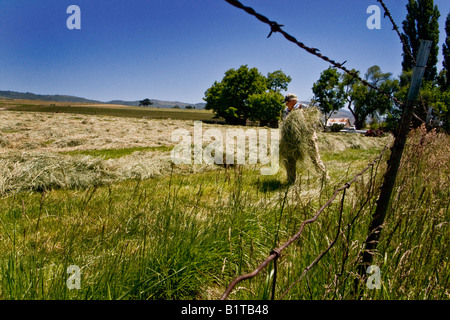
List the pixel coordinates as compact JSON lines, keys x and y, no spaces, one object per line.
{"x":394,"y":161}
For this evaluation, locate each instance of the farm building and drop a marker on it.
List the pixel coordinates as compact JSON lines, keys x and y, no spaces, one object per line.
{"x":342,"y":122}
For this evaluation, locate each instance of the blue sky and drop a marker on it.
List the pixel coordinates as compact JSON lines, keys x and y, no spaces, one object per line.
{"x":176,"y":49}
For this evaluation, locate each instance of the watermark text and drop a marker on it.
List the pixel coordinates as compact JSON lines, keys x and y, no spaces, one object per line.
{"x":227,"y":149}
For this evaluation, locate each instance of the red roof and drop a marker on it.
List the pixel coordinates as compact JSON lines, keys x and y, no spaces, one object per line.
{"x":338,"y":120}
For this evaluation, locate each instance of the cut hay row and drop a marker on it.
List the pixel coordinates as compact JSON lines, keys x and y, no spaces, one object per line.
{"x":46,"y":171}
{"x":41,"y":151}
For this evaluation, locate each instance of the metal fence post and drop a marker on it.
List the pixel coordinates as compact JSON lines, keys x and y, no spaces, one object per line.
{"x":394,"y":160}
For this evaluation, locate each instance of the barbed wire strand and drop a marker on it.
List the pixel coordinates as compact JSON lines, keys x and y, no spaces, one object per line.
{"x":276,"y":253}
{"x":275,"y":27}
{"x":395,"y":27}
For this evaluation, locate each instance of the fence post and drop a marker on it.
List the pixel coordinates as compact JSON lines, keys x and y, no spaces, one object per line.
{"x":394,"y":161}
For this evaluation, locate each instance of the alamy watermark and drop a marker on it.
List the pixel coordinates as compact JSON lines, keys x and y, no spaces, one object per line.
{"x":374,"y":21}
{"x":374,"y":281}
{"x":74,"y":21}
{"x":225,"y":149}
{"x":74,"y":280}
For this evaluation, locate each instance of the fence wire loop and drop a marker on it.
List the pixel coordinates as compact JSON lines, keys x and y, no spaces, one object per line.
{"x":276,"y":252}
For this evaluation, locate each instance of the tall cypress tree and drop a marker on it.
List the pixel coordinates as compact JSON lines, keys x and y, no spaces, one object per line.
{"x":421,"y":23}
{"x":446,"y":54}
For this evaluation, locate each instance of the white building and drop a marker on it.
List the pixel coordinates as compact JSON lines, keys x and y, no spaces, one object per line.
{"x":345,"y":122}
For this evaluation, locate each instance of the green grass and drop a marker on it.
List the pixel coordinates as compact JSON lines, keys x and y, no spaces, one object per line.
{"x":188,"y":236}
{"x":116,"y":153}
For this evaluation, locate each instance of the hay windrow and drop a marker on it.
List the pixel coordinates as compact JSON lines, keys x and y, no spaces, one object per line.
{"x":43,"y":171}
{"x":56,"y":151}
{"x":38,"y":171}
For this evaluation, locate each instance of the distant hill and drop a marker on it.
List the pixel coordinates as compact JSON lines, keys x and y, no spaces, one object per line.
{"x":344,"y":113}
{"x":66,"y":98}
{"x":33,"y":96}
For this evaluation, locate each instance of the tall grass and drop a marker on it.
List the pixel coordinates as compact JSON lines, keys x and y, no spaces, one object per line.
{"x":415,"y":243}
{"x":181,"y":236}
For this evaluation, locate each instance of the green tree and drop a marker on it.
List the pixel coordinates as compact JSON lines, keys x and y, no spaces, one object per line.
{"x":146,"y":102}
{"x":277,"y":81}
{"x":444,"y":76}
{"x":431,"y":97}
{"x":328,"y":94}
{"x":421,"y":23}
{"x":346,"y":86}
{"x":266,"y":107}
{"x":369,"y":102}
{"x":228,"y":98}
{"x":394,"y":114}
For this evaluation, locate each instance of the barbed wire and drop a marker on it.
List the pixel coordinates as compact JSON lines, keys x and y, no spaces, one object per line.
{"x":276,"y":27}
{"x":395,"y":27}
{"x":276,"y":253}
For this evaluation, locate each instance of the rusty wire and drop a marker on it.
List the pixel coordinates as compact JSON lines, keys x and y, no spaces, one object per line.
{"x":275,"y":27}
{"x":276,"y":253}
{"x":317,"y":259}
{"x":395,"y":27}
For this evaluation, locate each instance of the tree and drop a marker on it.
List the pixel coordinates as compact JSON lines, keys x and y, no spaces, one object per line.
{"x":369,"y":102}
{"x":421,"y":23}
{"x":432,"y":98}
{"x":394,"y":113}
{"x":277,"y":81}
{"x":346,"y":85}
{"x":327,"y":92}
{"x":266,"y":107}
{"x":229,"y":98}
{"x":444,"y":76}
{"x":146,"y":102}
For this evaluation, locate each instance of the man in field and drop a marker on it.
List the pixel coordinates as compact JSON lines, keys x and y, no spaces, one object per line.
{"x":298,"y":137}
{"x":292,"y":103}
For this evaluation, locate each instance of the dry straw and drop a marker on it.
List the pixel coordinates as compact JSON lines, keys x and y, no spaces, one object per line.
{"x":297,"y":139}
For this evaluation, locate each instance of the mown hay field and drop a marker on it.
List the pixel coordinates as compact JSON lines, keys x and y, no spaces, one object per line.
{"x":104,"y":109}
{"x":101,"y":192}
